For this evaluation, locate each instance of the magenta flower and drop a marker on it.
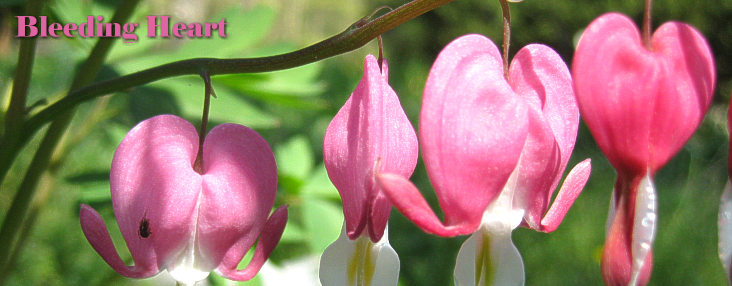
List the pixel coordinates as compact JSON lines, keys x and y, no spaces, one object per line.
{"x":641,"y":105}
{"x":369,"y":135}
{"x":174,"y":218}
{"x":495,"y":150}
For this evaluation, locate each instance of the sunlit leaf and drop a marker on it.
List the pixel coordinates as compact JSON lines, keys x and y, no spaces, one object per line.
{"x":323,"y":221}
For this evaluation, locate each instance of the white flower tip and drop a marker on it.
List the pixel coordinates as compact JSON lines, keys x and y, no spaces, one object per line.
{"x":724,"y":224}
{"x":500,"y":261}
{"x":644,"y":225}
{"x":359,"y":262}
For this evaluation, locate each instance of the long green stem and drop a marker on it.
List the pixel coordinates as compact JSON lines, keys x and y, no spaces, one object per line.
{"x":506,"y":34}
{"x":16,"y":110}
{"x":198,"y":164}
{"x":85,"y":74}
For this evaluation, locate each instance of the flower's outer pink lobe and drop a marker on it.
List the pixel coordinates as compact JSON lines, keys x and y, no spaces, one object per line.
{"x":642,"y":105}
{"x":152,"y":177}
{"x":369,"y":135}
{"x":195,"y":220}
{"x":472,"y":130}
{"x":239,"y":185}
{"x":540,"y":77}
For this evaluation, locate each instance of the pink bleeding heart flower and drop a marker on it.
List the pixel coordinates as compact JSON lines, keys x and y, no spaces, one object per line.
{"x":174,"y":218}
{"x":641,"y":105}
{"x":369,"y":135}
{"x":495,"y":150}
{"x":724,"y":221}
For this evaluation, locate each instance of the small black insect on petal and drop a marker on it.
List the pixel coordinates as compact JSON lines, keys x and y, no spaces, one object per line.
{"x":144,"y":230}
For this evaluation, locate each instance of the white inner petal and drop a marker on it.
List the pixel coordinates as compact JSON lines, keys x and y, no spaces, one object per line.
{"x":644,"y":225}
{"x":359,"y":262}
{"x":489,"y":256}
{"x":724,"y":222}
{"x":189,"y":267}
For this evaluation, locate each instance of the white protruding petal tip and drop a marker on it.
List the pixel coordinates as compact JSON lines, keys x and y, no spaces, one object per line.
{"x":644,"y":225}
{"x":503,"y":266}
{"x":346,"y":262}
{"x":724,"y":224}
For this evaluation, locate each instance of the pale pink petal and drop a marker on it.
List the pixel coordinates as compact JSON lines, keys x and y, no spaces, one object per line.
{"x":539,"y":164}
{"x":270,"y":236}
{"x":370,"y":131}
{"x":472,"y":128}
{"x":239,"y":186}
{"x":152,"y":179}
{"x":96,"y":232}
{"x":572,"y":187}
{"x":405,"y":197}
{"x":539,"y":76}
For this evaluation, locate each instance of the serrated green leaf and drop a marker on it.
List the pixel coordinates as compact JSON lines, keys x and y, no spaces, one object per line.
{"x":323,"y":221}
{"x":294,"y":158}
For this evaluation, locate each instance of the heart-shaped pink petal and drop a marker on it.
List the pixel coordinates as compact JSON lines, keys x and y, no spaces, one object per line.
{"x":642,"y":105}
{"x":472,"y":130}
{"x":177,"y":219}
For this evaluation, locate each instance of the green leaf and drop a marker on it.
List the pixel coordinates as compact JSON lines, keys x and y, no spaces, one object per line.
{"x":294,"y":158}
{"x":294,"y":88}
{"x":225,"y":108}
{"x":95,"y":193}
{"x":293,"y":233}
{"x":243,"y":29}
{"x":323,"y":221}
{"x":319,"y":185}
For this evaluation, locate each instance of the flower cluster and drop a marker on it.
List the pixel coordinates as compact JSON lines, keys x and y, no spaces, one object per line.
{"x":495,"y":140}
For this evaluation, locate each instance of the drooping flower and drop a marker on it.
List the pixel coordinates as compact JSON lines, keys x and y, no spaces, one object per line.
{"x":641,"y":105}
{"x":369,"y":135}
{"x":190,"y":223}
{"x":724,"y":222}
{"x":495,"y":150}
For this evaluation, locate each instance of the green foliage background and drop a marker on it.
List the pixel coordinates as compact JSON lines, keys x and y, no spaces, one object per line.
{"x":292,"y":108}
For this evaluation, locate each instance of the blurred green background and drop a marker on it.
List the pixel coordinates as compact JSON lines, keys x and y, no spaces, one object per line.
{"x":292,"y":108}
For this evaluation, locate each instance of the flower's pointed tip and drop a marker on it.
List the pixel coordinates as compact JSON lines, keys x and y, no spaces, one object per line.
{"x":268,"y":239}
{"x":407,"y":198}
{"x":345,"y":259}
{"x":570,"y":190}
{"x":188,"y":275}
{"x":96,"y":233}
{"x":500,"y":261}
